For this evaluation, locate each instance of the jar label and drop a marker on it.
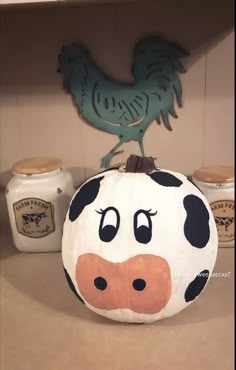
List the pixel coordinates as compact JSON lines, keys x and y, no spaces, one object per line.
{"x":223,"y":211}
{"x":34,"y":217}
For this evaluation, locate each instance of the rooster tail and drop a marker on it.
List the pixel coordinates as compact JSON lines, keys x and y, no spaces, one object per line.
{"x":156,"y":57}
{"x":157,"y":63}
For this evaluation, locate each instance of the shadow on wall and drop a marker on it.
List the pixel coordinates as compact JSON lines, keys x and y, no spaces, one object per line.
{"x":82,"y":174}
{"x":196,"y":26}
{"x":79,"y":175}
{"x":5,"y":177}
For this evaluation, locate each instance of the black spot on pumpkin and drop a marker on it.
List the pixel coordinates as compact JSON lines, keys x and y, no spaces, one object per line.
{"x":196,"y":226}
{"x":71,"y":285}
{"x":196,"y":286}
{"x":165,"y":179}
{"x":85,"y":196}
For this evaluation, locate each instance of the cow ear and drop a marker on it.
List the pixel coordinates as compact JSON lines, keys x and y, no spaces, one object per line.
{"x":86,"y":195}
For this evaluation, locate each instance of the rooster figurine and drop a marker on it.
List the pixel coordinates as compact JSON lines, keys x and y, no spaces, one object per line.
{"x":125,"y":109}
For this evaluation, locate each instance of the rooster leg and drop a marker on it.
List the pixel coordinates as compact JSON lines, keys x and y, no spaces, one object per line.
{"x":141,"y":147}
{"x":105,"y":161}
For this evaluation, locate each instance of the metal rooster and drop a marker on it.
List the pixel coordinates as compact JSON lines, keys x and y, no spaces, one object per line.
{"x":125,"y":109}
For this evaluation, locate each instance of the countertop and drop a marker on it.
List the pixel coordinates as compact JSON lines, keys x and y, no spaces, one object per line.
{"x":44,"y":326}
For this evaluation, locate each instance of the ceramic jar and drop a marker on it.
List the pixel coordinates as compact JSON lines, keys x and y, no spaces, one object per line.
{"x":217,"y":184}
{"x":38,"y":197}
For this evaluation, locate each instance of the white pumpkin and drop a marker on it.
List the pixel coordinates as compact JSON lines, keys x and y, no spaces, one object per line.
{"x":138,"y":247}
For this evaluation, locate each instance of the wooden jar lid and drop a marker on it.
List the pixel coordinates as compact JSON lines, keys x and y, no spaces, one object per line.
{"x":37,"y":165}
{"x":215,"y":174}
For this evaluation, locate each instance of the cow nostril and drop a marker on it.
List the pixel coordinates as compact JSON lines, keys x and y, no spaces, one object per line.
{"x":100,"y":283}
{"x":139,"y":284}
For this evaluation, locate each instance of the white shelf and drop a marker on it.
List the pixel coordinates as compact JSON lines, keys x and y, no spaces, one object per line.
{"x":79,"y":2}
{"x":182,"y":3}
{"x":13,"y":2}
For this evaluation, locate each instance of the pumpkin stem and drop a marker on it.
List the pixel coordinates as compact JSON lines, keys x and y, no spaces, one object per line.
{"x":139,"y":164}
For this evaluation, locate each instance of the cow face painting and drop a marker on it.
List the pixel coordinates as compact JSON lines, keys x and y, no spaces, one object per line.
{"x":138,"y":247}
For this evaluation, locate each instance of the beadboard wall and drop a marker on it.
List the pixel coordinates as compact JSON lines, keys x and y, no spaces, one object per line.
{"x":37,"y":117}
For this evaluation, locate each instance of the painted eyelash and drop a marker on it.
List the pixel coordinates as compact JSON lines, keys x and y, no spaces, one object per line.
{"x":100,"y":211}
{"x":150,"y":213}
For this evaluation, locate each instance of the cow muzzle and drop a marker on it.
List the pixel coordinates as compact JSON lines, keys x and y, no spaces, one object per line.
{"x":142,"y":283}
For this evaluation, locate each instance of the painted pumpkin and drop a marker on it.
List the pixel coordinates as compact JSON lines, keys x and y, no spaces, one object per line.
{"x":139,"y":243}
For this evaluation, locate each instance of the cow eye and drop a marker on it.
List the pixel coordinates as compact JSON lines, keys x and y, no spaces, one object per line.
{"x":109,"y":224}
{"x":143,"y":226}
